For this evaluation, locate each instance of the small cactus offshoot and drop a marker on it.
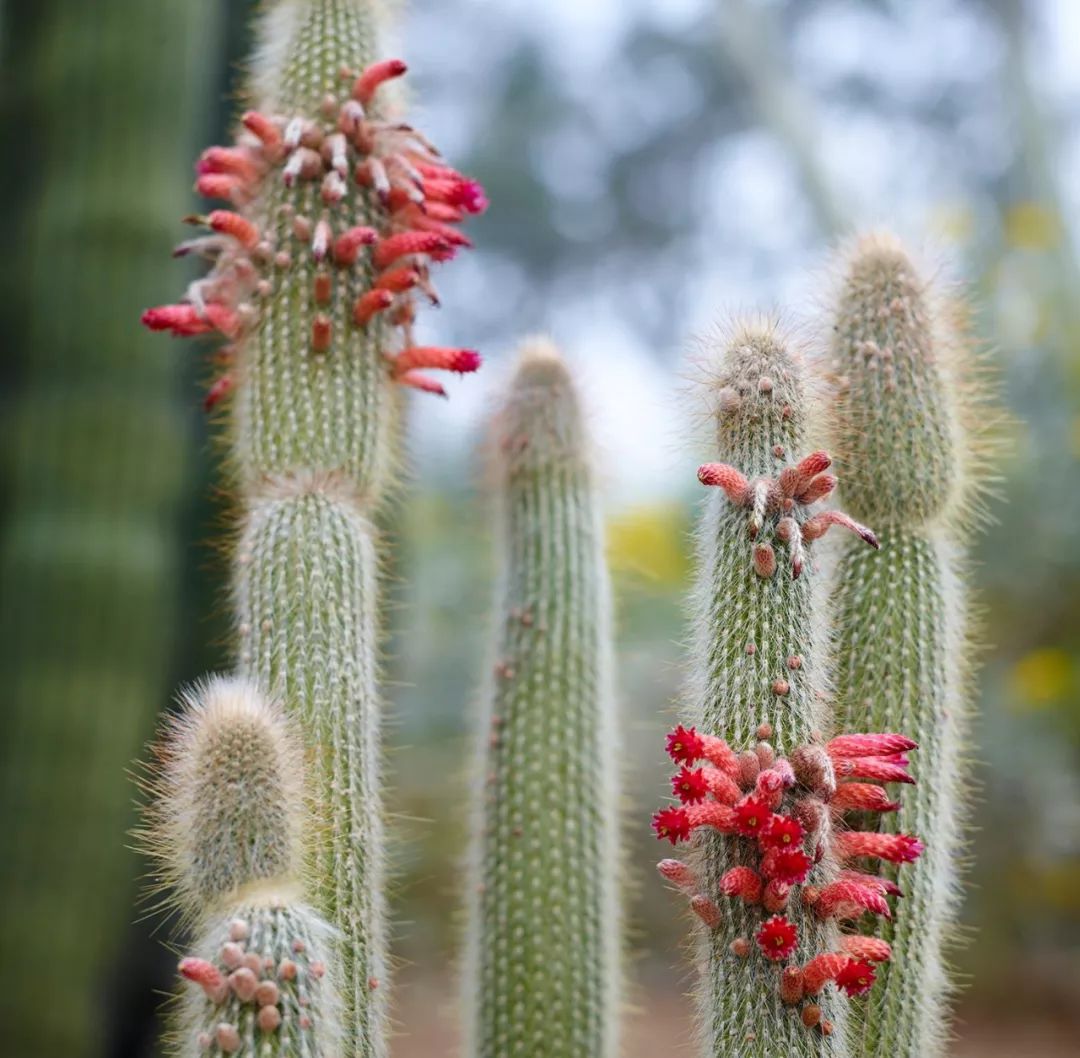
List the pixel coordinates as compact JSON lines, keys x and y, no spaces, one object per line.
{"x":225,"y":827}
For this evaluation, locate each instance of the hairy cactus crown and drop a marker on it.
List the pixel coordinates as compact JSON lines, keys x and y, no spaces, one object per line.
{"x":228,"y":801}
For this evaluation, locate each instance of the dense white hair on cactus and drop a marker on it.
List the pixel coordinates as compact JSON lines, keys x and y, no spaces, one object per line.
{"x":227,"y":809}
{"x":916,"y":419}
{"x":760,"y":392}
{"x":543,"y":962}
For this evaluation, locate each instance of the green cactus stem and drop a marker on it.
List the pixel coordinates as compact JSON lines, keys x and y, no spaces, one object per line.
{"x":910,"y":446}
{"x":340,"y":212}
{"x":758,"y":678}
{"x":226,"y":828}
{"x":543,"y":966}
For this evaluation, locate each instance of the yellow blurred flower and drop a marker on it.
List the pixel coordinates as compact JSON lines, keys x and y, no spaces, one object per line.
{"x":1042,"y":677}
{"x":650,"y":541}
{"x":1031,"y":226}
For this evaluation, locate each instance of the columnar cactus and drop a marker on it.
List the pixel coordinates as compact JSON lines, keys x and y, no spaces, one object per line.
{"x":905,"y":434}
{"x":92,"y":473}
{"x":763,"y":824}
{"x":544,"y":949}
{"x":226,"y":828}
{"x":339,"y":213}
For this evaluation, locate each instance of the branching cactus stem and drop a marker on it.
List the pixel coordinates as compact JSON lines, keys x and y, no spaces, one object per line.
{"x":336,"y":215}
{"x":543,"y":968}
{"x":225,"y":827}
{"x":912,"y":436}
{"x":771,"y":872}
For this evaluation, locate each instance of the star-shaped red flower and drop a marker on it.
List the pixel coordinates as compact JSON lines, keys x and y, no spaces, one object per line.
{"x":685,"y":745}
{"x":672,"y":823}
{"x":783,"y":832}
{"x":856,"y":978}
{"x":787,"y":865}
{"x":689,"y":785}
{"x":777,"y":938}
{"x":752,"y":817}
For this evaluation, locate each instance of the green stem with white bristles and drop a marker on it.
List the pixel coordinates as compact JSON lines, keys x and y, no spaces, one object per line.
{"x":314,"y":446}
{"x":748,"y":630}
{"x":906,"y":439}
{"x":226,"y":828}
{"x":543,"y":967}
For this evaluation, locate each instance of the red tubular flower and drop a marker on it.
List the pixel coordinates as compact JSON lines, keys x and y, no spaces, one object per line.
{"x":264,"y":128}
{"x":722,"y":786}
{"x":219,"y":185}
{"x":407,"y":243}
{"x":712,"y":814}
{"x":378,"y":73}
{"x":438,"y":357}
{"x":182,"y":320}
{"x":783,"y":832}
{"x":818,"y":489}
{"x":822,"y":969}
{"x":880,"y":768}
{"x":815,"y":463}
{"x":347,"y":245}
{"x":470,"y":196}
{"x":734,"y":484}
{"x":879,"y":885}
{"x":718,"y":753}
{"x":398,"y":280}
{"x":775,"y":895}
{"x":689,"y":785}
{"x":419,"y":381}
{"x":684,"y":745}
{"x":236,"y":161}
{"x":777,"y":938}
{"x":672,"y":823}
{"x":870,"y":949}
{"x":752,"y":816}
{"x":790,"y":866}
{"x":896,"y":848}
{"x":848,"y":899}
{"x":207,"y":976}
{"x":870,"y":745}
{"x":225,"y":222}
{"x":743,"y":882}
{"x":678,"y":873}
{"x":863,"y":797}
{"x":820,"y":524}
{"x":705,"y":909}
{"x":370,"y":304}
{"x":856,"y":978}
{"x":419,"y":222}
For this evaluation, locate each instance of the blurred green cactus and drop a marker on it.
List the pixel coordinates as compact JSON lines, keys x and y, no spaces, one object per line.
{"x":93,"y":460}
{"x":542,"y":975}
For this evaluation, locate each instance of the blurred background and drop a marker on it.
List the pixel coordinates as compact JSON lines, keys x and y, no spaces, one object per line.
{"x":653,"y":166}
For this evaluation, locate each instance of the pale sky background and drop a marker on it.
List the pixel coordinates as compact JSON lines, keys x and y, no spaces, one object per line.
{"x":888,"y":170}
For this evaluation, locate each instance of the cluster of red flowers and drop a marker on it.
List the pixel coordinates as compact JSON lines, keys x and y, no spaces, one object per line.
{"x":787,"y":807}
{"x":773,"y":502}
{"x":350,"y":155}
